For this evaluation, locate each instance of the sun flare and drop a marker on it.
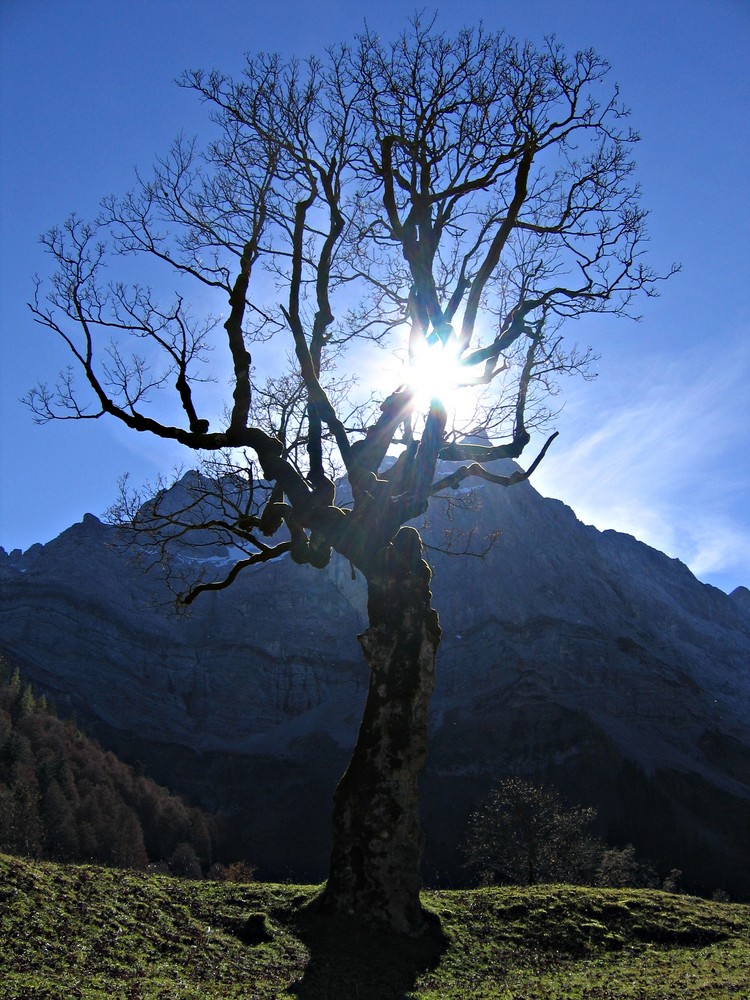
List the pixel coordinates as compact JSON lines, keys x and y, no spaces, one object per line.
{"x":434,"y":372}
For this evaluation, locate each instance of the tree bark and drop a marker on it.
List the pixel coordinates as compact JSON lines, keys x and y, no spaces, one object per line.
{"x":374,"y":874}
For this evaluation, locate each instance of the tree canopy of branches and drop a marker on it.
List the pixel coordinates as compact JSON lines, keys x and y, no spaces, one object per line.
{"x":462,"y":195}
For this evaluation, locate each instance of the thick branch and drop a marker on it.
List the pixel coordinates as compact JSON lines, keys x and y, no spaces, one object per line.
{"x":368,"y":454}
{"x":496,"y":246}
{"x":454,"y":480}
{"x":266,"y":555}
{"x":240,"y":355}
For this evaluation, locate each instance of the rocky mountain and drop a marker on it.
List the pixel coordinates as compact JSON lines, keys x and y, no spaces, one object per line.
{"x":581,"y":656}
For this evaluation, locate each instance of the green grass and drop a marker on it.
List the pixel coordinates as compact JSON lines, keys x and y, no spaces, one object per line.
{"x":88,"y":932}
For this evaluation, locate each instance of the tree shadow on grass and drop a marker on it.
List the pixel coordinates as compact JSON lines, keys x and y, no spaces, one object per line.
{"x":351,"y":963}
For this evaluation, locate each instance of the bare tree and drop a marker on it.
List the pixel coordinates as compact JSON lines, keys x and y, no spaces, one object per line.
{"x":523,"y":833}
{"x":461,"y":195}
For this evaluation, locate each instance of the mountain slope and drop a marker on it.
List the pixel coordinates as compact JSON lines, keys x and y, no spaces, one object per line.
{"x":583,"y":656}
{"x":63,"y":797}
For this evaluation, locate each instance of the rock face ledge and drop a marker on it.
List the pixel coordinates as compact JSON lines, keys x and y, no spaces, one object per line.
{"x":581,"y":656}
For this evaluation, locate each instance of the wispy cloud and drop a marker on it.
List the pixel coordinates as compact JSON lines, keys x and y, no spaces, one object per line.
{"x":655,"y":463}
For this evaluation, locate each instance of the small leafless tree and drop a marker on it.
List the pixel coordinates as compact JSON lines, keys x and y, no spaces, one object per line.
{"x":524,"y":834}
{"x":463,"y":195}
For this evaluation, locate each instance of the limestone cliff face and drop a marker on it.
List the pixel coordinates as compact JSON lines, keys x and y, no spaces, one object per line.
{"x":581,"y":655}
{"x":236,"y":674}
{"x":595,"y":622}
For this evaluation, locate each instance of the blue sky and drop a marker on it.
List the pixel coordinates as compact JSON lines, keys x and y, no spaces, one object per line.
{"x":658,"y":446}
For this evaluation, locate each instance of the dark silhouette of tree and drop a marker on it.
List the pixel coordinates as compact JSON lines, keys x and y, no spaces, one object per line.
{"x":453,"y":196}
{"x":673,"y":881}
{"x":524,"y":834}
{"x":621,"y":867}
{"x":59,"y":820}
{"x":184,"y":862}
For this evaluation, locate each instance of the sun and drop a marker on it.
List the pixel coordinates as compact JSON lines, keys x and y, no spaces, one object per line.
{"x":434,"y":372}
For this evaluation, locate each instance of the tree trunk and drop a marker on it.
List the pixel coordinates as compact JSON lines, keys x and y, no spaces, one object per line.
{"x":377,"y":836}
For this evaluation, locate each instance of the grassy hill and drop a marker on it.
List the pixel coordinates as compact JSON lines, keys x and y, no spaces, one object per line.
{"x":91,"y":932}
